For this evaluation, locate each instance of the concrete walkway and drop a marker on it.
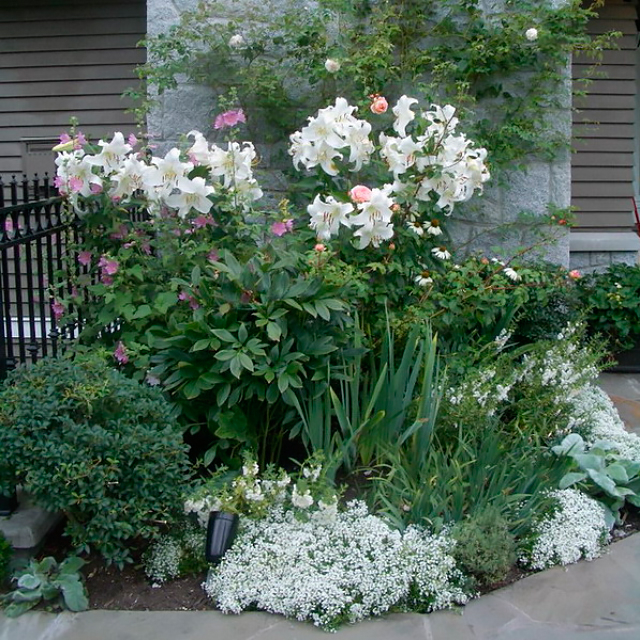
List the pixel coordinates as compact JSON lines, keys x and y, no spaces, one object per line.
{"x":598,"y":600}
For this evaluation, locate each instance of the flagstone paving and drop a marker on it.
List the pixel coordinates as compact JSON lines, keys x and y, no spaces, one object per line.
{"x":598,"y":600}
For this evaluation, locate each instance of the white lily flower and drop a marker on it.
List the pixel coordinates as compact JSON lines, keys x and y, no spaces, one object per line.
{"x":167,"y":171}
{"x":326,"y":217}
{"x":131,"y":176}
{"x":200,"y":150}
{"x":112,"y":153}
{"x":192,"y":195}
{"x":404,"y":115}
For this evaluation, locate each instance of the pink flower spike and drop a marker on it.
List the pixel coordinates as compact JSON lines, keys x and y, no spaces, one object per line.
{"x":120,"y":354}
{"x":360,"y":194}
{"x":132,"y":140}
{"x":64,"y":138}
{"x":229,"y":119}
{"x":84,"y":258}
{"x":109,"y":267}
{"x":58,"y":309}
{"x":80,"y":140}
{"x":106,"y":280}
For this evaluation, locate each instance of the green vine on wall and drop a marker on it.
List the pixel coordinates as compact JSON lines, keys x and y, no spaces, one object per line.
{"x":273,"y":59}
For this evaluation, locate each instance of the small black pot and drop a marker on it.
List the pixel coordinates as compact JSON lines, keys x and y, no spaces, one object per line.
{"x":8,"y":504}
{"x":221,"y":532}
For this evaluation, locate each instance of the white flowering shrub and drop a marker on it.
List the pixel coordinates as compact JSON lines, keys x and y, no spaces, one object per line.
{"x":432,"y":168}
{"x":332,"y":571}
{"x":576,"y":529}
{"x":536,"y":385}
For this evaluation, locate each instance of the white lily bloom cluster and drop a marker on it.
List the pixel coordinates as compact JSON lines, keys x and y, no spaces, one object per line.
{"x":348,"y":568}
{"x":437,"y":162}
{"x":371,"y":218}
{"x":443,"y":163}
{"x":577,"y":529}
{"x":164,"y":182}
{"x":231,"y":168}
{"x":596,"y":418}
{"x":333,"y":130}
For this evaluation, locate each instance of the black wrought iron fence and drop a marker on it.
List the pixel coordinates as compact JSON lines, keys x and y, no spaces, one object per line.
{"x":24,"y":190}
{"x":33,"y":236}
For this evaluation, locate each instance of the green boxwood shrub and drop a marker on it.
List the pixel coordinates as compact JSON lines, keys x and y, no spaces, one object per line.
{"x":102,"y":448}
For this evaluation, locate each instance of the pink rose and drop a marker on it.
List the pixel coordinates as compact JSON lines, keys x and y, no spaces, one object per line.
{"x":379,"y":105}
{"x":360,"y":193}
{"x":320,"y":248}
{"x":575,"y":274}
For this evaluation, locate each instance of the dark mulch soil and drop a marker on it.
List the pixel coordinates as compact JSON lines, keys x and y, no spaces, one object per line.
{"x":130,"y":589}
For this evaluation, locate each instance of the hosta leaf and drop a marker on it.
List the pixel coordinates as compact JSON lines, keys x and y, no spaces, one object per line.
{"x":29,"y":581}
{"x":570,"y":479}
{"x":74,"y":593}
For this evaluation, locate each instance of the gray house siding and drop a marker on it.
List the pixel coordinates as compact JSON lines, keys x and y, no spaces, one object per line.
{"x":63,"y":58}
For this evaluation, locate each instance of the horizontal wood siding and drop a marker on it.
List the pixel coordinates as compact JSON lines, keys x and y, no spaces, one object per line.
{"x":64,"y":58}
{"x":605,"y":128}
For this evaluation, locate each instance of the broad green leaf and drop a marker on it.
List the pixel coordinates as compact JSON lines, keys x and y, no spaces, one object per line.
{"x":235,"y":367}
{"x":29,"y":581}
{"x":142,"y":311}
{"x":201,"y":345}
{"x":246,"y":361}
{"x":225,"y":354}
{"x":74,"y":594}
{"x":72,"y":565}
{"x":273,"y":331}
{"x":570,"y":479}
{"x":164,"y":301}
{"x":617,"y":473}
{"x":224,"y":335}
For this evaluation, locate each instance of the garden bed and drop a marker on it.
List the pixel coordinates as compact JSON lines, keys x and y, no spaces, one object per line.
{"x":131,"y":590}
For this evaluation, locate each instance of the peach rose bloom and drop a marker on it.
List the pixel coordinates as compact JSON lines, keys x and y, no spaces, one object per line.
{"x":379,"y":105}
{"x":360,"y":193}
